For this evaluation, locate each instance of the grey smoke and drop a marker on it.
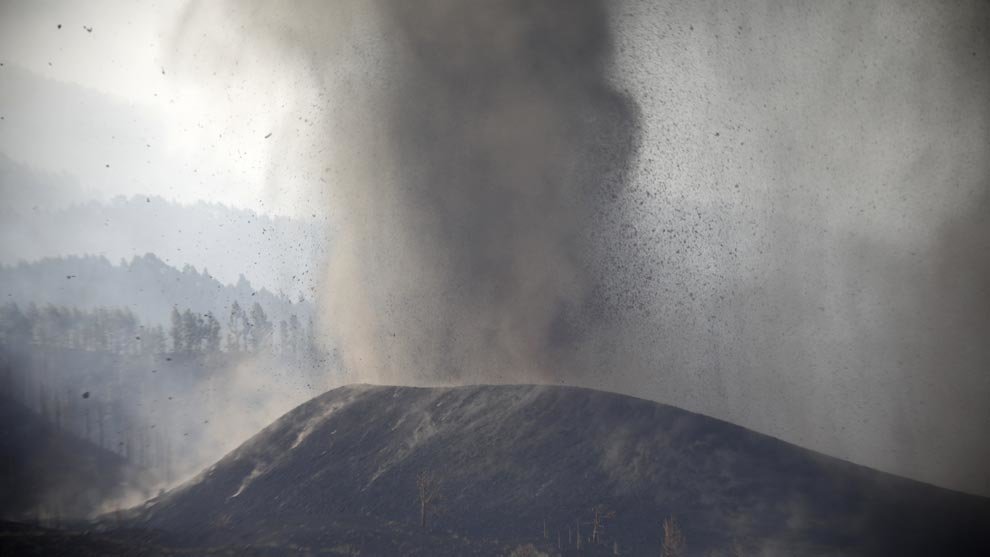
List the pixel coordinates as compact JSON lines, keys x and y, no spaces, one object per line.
{"x":507,"y":140}
{"x":469,"y":153}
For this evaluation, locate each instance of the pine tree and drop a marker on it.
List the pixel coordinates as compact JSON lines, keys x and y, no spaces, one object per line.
{"x":295,"y":335}
{"x":236,"y":328}
{"x":178,"y":335}
{"x":212,"y":334}
{"x":261,"y":328}
{"x":191,"y":331}
{"x":284,"y":341}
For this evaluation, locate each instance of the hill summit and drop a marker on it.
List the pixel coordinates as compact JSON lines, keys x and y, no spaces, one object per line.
{"x":549,"y":466}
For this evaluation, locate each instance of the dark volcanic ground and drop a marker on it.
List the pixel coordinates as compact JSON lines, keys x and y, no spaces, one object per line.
{"x":337,"y":475}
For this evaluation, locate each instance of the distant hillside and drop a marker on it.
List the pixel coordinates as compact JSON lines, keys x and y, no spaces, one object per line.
{"x":146,"y":285}
{"x":528,"y":464}
{"x":42,"y":217}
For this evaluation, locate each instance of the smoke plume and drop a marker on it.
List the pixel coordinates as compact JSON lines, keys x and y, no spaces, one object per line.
{"x":468,"y":250}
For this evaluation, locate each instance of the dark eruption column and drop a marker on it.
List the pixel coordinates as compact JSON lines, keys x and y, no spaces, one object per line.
{"x":507,"y":139}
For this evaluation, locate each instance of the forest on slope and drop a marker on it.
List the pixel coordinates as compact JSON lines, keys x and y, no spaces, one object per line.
{"x":165,"y":368}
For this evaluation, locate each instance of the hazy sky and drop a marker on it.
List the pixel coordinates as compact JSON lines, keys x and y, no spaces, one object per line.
{"x":163,"y":123}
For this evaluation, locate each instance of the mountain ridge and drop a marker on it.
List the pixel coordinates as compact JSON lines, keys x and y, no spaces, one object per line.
{"x":146,"y":284}
{"x":50,"y":215}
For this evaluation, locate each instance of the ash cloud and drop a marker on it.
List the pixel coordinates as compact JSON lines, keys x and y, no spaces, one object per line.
{"x":503,"y":140}
{"x":464,"y":152}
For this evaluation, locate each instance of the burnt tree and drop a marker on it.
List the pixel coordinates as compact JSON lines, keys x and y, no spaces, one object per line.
{"x":428,"y":489}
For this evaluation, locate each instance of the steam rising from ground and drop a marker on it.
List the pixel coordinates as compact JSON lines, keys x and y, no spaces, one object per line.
{"x":783,"y":224}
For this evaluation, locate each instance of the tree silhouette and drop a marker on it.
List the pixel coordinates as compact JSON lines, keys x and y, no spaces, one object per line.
{"x":600,"y":515}
{"x":673,"y":539}
{"x":261,"y":328}
{"x":237,"y":326}
{"x":192,"y":327}
{"x":211,"y":334}
{"x":178,"y":335}
{"x":295,"y":335}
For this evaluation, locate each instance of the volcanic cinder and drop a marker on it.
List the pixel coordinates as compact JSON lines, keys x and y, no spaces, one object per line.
{"x":514,"y":461}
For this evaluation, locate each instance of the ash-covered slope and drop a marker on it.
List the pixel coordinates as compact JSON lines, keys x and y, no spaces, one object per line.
{"x":340,"y":471}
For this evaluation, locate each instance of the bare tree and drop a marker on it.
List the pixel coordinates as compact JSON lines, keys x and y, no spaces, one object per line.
{"x":673,"y":539}
{"x":601,"y":514}
{"x":428,"y":487}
